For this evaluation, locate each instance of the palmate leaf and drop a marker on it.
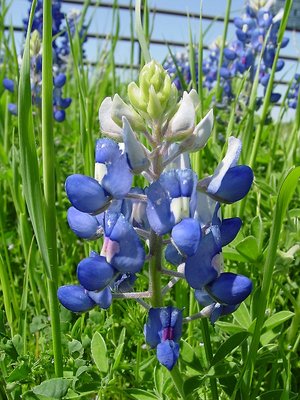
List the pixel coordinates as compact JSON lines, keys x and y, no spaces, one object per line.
{"x":29,"y":166}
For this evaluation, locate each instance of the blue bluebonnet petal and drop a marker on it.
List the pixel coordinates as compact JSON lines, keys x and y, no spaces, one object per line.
{"x":199,"y":269}
{"x":229,"y":161}
{"x":176,"y":323}
{"x":94,"y":273}
{"x":221,"y":309}
{"x":86,"y":194}
{"x":158,"y":210}
{"x":131,"y":254}
{"x":60,"y":80}
{"x":152,"y":327}
{"x":106,"y":151}
{"x":124,"y":282}
{"x":82,"y":224}
{"x":170,"y":199}
{"x":170,"y":182}
{"x":230,"y":288}
{"x":229,"y":229}
{"x":186,"y":236}
{"x":118,"y":179}
{"x":103,"y":298}
{"x":9,"y":84}
{"x":173,"y":256}
{"x":235,"y":184}
{"x":167,"y":353}
{"x":216,"y":313}
{"x":203,"y":297}
{"x":111,"y":169}
{"x":75,"y":298}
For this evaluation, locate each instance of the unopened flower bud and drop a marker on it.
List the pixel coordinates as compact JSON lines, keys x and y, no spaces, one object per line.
{"x":155,"y":95}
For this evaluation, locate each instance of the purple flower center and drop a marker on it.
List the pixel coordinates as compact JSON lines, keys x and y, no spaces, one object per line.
{"x":168,"y":333}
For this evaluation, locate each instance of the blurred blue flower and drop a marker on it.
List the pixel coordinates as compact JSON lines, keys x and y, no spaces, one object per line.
{"x":61,"y":51}
{"x":9,"y":84}
{"x":293,"y":93}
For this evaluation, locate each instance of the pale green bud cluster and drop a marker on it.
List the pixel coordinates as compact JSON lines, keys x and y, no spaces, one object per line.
{"x":155,"y":96}
{"x":156,"y":113}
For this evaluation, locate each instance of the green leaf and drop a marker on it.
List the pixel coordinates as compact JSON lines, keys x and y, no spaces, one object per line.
{"x":140,"y":394}
{"x":192,"y":384}
{"x":228,"y":346}
{"x":19,"y":373}
{"x":118,"y":355}
{"x":257,"y":230}
{"x":75,"y":348}
{"x":233,"y":255}
{"x":278,"y":394}
{"x":158,"y":376}
{"x":268,"y":336}
{"x":242,"y":316}
{"x":277,"y":319}
{"x":54,"y":388}
{"x":99,"y":352}
{"x":187,"y":352}
{"x":119,"y":349}
{"x":248,"y":247}
{"x":228,"y":327}
{"x":188,"y":356}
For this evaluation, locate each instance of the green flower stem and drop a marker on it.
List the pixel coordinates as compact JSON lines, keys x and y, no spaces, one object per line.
{"x":49,"y":182}
{"x":209,"y":356}
{"x":178,"y":381}
{"x":155,"y":269}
